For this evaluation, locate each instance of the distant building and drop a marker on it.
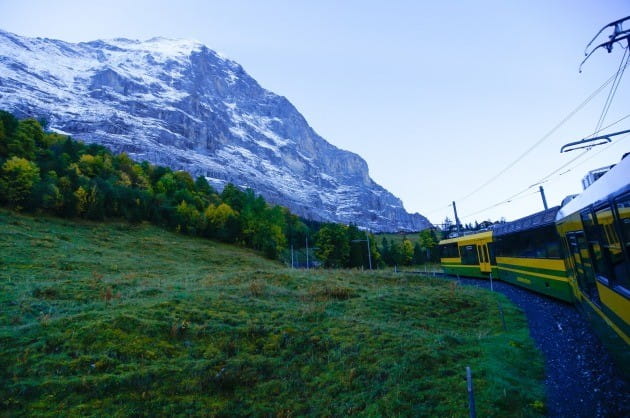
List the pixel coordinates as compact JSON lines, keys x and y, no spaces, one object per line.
{"x":594,"y":175}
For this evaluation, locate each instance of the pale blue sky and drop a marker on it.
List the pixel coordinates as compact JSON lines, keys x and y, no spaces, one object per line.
{"x":438,"y":97}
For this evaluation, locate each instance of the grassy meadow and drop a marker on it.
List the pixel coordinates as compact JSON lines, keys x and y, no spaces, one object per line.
{"x":102,"y":319}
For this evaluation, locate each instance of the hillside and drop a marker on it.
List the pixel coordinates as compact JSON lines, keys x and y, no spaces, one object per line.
{"x":109,"y":318}
{"x":179,"y":104}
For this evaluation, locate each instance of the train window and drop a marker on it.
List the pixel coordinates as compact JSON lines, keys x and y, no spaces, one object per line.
{"x":610,"y":258}
{"x":589,"y":224}
{"x":469,"y":254}
{"x":570,"y":265}
{"x":623,"y":267}
{"x":596,"y":247}
{"x":583,"y":266}
{"x":449,"y":251}
{"x":623,"y":209}
{"x":553,"y":249}
{"x":537,"y":243}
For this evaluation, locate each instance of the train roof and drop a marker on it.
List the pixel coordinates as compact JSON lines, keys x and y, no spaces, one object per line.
{"x":467,"y":238}
{"x":616,"y":181}
{"x":537,"y":220}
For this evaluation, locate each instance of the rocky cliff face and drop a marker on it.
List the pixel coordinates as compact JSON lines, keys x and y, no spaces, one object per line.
{"x":180,"y":104}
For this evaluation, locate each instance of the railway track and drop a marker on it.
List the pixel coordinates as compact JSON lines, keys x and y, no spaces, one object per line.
{"x":581,"y":379}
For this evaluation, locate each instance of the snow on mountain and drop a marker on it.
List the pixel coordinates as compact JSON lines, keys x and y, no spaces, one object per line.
{"x":180,"y":104}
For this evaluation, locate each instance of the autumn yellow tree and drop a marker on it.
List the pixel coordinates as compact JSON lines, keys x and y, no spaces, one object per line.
{"x":17,"y":178}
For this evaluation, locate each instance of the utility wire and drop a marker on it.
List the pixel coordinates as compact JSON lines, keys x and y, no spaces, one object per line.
{"x":608,"y":126}
{"x":503,"y":202}
{"x":544,"y":137}
{"x":546,"y":178}
{"x":613,"y":88}
{"x":438,"y":209}
{"x":614,"y":77}
{"x":616,"y":81}
{"x":515,"y":196}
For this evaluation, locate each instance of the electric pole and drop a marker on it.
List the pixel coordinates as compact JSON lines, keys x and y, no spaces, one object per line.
{"x":456,"y":218}
{"x":306,"y":253}
{"x":367,"y":238}
{"x":542,"y":194}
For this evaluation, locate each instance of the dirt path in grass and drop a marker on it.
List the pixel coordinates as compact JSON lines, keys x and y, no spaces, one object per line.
{"x":581,"y":379}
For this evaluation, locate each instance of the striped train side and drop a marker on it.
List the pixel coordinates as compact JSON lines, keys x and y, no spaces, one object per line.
{"x":595,"y":235}
{"x":578,"y":253}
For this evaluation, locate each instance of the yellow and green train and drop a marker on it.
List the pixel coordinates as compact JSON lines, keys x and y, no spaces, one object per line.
{"x":578,"y":253}
{"x":525,"y":252}
{"x":469,"y":255}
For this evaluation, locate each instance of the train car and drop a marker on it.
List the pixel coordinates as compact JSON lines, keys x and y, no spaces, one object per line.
{"x":595,"y":233}
{"x":579,"y":252}
{"x":468,"y":255}
{"x":528,"y":254}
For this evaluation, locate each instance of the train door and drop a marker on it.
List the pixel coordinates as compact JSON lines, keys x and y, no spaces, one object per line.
{"x":581,"y":259}
{"x":484,"y":258}
{"x":493,"y":259}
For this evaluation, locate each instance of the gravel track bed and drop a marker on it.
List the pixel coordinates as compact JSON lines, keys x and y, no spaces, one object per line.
{"x":581,"y":379}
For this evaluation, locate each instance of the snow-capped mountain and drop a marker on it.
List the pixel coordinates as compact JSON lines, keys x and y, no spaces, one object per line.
{"x":180,"y":104}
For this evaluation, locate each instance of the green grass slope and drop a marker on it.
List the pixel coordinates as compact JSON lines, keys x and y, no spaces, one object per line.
{"x":111,"y":319}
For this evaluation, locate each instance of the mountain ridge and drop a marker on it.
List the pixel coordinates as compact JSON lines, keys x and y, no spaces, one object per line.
{"x":181,"y":104}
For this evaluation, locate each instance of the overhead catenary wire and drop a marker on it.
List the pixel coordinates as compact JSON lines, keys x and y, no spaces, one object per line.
{"x":547,"y":178}
{"x":615,"y":77}
{"x":503,"y":202}
{"x":438,"y":209}
{"x":613,"y":89}
{"x":616,"y":81}
{"x":608,"y":126}
{"x":544,"y":179}
{"x":544,"y":137}
{"x":515,"y":196}
{"x":541,"y":140}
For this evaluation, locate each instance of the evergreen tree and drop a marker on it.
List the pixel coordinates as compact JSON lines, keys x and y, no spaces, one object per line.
{"x":8,"y":125}
{"x":396,"y":254}
{"x":234,"y":197}
{"x":386,"y":252}
{"x":25,"y":139}
{"x":418,"y":254}
{"x":3,"y":141}
{"x":295,"y":230}
{"x":358,"y":248}
{"x":46,"y":194}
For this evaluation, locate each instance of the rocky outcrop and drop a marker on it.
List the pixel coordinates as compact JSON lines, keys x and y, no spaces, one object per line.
{"x":180,"y":104}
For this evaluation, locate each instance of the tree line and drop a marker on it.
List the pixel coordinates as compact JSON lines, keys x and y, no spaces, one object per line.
{"x":44,"y":171}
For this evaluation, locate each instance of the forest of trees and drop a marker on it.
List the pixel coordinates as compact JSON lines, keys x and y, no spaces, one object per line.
{"x":47,"y":172}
